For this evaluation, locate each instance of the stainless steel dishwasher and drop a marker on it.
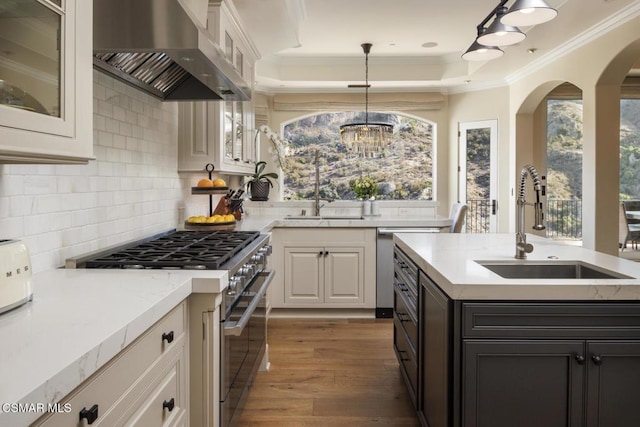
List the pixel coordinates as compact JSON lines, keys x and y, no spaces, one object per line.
{"x":384,"y":266}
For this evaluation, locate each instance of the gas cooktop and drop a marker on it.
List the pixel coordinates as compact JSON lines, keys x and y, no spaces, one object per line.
{"x":201,"y":250}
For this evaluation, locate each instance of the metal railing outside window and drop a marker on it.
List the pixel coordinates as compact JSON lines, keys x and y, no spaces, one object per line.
{"x":478,"y":211}
{"x":563,"y":217}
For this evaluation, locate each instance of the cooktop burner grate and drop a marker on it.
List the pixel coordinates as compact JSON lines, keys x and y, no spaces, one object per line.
{"x":182,"y":249}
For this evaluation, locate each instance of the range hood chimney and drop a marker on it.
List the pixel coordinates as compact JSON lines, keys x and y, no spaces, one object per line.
{"x":156,"y":46}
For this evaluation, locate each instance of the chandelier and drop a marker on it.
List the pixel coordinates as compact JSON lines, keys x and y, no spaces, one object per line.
{"x":366,"y":139}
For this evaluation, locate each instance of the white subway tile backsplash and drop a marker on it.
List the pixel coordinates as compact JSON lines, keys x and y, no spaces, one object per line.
{"x":126,"y":129}
{"x":105,"y":138}
{"x":130,"y":191}
{"x":99,"y":122}
{"x":37,"y":224}
{"x":119,"y":142}
{"x":105,"y":108}
{"x":112,"y":125}
{"x":11,"y":185}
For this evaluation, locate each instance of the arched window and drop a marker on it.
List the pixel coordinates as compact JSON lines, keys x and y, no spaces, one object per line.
{"x":403,"y":171}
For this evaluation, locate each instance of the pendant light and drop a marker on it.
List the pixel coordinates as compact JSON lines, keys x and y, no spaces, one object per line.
{"x":529,"y":12}
{"x":499,"y":34}
{"x":479,"y":52}
{"x":366,"y":139}
{"x":503,"y":30}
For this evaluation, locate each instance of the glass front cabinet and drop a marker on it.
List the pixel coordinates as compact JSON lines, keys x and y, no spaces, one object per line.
{"x":221,"y":132}
{"x":46,"y":81}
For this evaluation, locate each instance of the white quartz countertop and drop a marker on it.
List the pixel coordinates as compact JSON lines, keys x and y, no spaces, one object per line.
{"x":78,"y":320}
{"x":266,"y":224}
{"x":450,"y":260}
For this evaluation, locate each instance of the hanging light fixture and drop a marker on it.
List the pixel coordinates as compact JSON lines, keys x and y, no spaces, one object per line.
{"x":529,"y":12}
{"x":366,"y":139}
{"x":499,"y":34}
{"x":503,"y":30}
{"x":479,"y":52}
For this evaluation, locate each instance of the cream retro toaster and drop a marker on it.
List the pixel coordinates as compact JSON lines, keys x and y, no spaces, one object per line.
{"x":15,"y":274}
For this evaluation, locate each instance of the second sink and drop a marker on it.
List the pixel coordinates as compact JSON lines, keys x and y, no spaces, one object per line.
{"x":550,"y":270}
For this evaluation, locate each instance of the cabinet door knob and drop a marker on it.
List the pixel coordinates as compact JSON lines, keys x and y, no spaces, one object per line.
{"x":597,"y":359}
{"x":326,"y":253}
{"x":320,"y":253}
{"x":168,"y":337}
{"x":169,"y":404}
{"x":90,"y":414}
{"x":580,"y":359}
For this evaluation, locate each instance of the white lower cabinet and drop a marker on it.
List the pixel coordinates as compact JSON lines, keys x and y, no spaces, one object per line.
{"x":324,"y":268}
{"x":144,"y":385}
{"x":324,"y":275}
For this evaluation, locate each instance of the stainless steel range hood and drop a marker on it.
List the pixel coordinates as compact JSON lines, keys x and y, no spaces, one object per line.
{"x":157,"y":47}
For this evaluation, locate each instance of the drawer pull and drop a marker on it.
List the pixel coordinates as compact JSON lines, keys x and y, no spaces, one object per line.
{"x":403,"y":359}
{"x":168,"y":337}
{"x":169,"y":404}
{"x":90,"y":415}
{"x":597,"y":359}
{"x":580,"y":359}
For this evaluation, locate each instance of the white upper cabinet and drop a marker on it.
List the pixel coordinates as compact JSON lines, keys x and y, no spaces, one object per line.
{"x":46,"y":81}
{"x":224,"y":25}
{"x":221,"y":132}
{"x":216,"y":132}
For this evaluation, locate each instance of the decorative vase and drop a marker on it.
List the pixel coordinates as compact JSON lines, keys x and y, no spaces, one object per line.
{"x":366,"y":207}
{"x":375,"y":207}
{"x":259,"y":191}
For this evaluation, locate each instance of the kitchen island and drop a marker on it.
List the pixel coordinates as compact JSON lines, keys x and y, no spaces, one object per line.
{"x":486,"y":350}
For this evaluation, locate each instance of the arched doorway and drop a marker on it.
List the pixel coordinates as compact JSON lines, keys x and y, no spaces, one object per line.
{"x":563,"y":164}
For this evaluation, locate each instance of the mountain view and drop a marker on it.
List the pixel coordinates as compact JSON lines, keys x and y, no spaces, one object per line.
{"x":403,"y":171}
{"x":564,"y":149}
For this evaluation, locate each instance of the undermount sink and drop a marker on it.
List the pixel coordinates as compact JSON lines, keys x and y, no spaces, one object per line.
{"x":327,"y":217}
{"x":550,"y":270}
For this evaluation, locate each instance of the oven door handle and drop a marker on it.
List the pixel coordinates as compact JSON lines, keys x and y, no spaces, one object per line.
{"x":236,"y":328}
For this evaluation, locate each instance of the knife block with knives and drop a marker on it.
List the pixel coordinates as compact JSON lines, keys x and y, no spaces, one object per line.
{"x":231,"y":203}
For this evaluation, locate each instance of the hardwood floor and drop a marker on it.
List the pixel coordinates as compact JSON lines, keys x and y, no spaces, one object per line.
{"x":334,"y":372}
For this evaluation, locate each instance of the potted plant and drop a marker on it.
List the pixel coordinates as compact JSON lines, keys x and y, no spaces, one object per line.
{"x":259,"y":183}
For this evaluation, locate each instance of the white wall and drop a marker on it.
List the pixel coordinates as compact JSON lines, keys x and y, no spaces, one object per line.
{"x":486,"y":104}
{"x":131,"y":190}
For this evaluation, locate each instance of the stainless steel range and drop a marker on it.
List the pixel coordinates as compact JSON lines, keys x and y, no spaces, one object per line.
{"x":241,"y":334}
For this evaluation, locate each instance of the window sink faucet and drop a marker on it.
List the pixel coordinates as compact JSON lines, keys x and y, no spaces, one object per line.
{"x":317,"y":205}
{"x":522,"y":247}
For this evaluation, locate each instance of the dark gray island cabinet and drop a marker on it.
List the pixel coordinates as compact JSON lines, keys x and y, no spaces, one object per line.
{"x":488,"y":363}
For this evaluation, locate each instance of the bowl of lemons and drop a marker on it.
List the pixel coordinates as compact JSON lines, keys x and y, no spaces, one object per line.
{"x":216,"y":221}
